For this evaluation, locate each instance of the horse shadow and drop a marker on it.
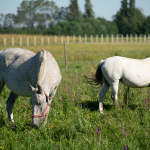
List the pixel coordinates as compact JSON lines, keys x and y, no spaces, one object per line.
{"x":94,"y":106}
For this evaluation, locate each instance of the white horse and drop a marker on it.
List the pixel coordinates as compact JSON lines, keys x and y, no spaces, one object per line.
{"x":133,"y":73}
{"x":29,"y":75}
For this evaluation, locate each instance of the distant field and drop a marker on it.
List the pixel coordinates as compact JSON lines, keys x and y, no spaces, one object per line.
{"x":74,"y":114}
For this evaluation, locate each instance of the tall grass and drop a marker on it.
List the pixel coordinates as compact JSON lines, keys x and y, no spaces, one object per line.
{"x":74,"y":121}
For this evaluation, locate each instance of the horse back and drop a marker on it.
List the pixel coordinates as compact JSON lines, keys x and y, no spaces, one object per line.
{"x":7,"y":57}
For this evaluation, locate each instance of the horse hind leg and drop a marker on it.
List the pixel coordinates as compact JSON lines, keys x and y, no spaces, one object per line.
{"x":114,"y":90}
{"x":102,"y":94}
{"x":10,"y":105}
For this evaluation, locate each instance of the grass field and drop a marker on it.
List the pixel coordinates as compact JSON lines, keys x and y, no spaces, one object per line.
{"x":74,"y":121}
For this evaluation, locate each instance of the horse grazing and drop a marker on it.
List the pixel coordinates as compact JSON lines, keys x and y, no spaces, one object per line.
{"x":133,"y":73}
{"x":29,"y":75}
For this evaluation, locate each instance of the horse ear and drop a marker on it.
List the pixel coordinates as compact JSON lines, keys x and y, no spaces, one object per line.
{"x":32,"y":88}
{"x":39,"y":88}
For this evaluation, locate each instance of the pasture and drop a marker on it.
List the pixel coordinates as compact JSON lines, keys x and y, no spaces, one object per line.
{"x":74,"y":120}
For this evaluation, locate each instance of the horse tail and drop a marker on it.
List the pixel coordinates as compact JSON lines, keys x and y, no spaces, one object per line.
{"x":96,"y":78}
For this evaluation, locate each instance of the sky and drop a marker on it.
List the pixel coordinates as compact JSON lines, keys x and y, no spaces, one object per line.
{"x":102,"y":8}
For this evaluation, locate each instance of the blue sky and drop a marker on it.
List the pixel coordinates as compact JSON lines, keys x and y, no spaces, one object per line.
{"x":102,"y":8}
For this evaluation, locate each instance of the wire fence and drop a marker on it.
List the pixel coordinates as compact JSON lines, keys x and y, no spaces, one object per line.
{"x":35,"y":40}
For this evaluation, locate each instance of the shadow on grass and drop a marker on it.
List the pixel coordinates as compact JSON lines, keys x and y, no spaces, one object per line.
{"x":131,"y":106}
{"x":94,"y":106}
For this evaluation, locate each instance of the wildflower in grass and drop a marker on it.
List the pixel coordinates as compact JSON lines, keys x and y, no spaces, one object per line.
{"x":66,"y":90}
{"x":127,"y":133}
{"x":122,"y":128}
{"x":97,"y":131}
{"x":125,"y":147}
{"x":52,"y":126}
{"x":8,"y":132}
{"x":145,"y":102}
{"x":53,"y":112}
{"x":73,"y":100}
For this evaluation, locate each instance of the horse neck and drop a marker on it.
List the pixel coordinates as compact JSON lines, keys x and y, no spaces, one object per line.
{"x":37,"y":76}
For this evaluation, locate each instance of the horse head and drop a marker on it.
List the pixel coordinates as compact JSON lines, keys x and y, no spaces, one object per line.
{"x":40,"y":105}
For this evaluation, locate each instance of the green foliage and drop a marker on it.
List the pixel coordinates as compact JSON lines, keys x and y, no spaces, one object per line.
{"x":129,"y":19}
{"x":146,"y":25}
{"x":85,"y":26}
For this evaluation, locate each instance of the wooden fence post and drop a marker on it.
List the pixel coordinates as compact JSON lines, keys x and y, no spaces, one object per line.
{"x":80,"y":39}
{"x":107,"y":38}
{"x":117,"y":38}
{"x":62,"y":39}
{"x":41,"y":40}
{"x":136,"y":37}
{"x":12,"y":41}
{"x":55,"y":39}
{"x":74,"y":39}
{"x":144,"y":38}
{"x":48,"y":40}
{"x":126,"y":37}
{"x":4,"y":41}
{"x":131,"y":37}
{"x":27,"y":41}
{"x":112,"y":38}
{"x":20,"y":41}
{"x":35,"y":41}
{"x":91,"y":39}
{"x":65,"y":55}
{"x":96,"y":38}
{"x":122,"y":38}
{"x":85,"y":39}
{"x":101,"y":38}
{"x":68,"y":39}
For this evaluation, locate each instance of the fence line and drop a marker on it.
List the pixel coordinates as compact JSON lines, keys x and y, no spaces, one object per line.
{"x":108,"y":39}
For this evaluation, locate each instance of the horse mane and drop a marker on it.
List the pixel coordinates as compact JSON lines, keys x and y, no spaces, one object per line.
{"x":41,"y":64}
{"x":96,"y":76}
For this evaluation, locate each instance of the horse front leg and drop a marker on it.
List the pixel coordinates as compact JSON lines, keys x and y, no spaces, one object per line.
{"x":102,"y":95}
{"x":10,"y":105}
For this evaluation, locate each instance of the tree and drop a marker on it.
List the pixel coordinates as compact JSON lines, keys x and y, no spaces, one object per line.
{"x":124,"y":8}
{"x":89,"y":13}
{"x":8,"y":21}
{"x":74,"y":12}
{"x":146,"y":25}
{"x":36,"y":13}
{"x":129,"y":19}
{"x":63,"y":14}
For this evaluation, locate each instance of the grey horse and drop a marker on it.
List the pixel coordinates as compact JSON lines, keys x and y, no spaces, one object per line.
{"x":29,"y":75}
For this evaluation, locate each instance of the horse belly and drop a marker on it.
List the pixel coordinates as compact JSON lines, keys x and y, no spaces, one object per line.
{"x":135,"y":82}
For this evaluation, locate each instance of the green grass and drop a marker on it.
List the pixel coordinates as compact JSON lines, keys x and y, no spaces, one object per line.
{"x":74,"y":113}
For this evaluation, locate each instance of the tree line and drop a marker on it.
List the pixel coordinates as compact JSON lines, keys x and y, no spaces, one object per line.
{"x":45,"y":17}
